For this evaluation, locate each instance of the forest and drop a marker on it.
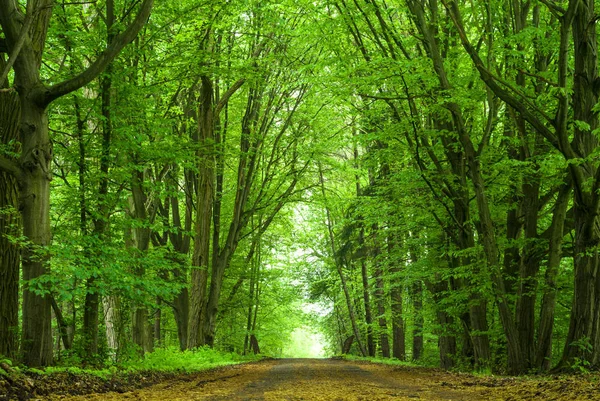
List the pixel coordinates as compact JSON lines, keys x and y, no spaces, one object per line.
{"x":416,"y":180}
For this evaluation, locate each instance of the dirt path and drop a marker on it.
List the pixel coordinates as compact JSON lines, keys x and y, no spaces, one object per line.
{"x":337,"y":380}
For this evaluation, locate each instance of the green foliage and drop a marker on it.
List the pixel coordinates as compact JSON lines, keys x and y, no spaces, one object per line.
{"x":173,"y":360}
{"x":166,"y":360}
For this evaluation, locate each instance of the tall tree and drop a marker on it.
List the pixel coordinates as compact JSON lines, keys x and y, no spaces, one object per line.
{"x":25,"y":34}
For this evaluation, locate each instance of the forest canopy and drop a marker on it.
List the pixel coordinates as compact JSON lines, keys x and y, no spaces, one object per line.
{"x":412,"y":179}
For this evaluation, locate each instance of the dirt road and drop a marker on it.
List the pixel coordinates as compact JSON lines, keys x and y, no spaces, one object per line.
{"x":336,"y":380}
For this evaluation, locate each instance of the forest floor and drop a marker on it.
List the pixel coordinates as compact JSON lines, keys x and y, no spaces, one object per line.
{"x":337,"y":380}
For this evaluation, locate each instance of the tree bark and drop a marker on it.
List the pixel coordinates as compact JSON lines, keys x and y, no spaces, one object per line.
{"x":114,"y":325}
{"x":36,"y":157}
{"x":202,"y":226}
{"x":583,"y":338}
{"x":10,"y":259}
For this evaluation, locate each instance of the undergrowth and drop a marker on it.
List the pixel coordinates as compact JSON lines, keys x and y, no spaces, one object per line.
{"x":162,"y":360}
{"x":384,"y":361}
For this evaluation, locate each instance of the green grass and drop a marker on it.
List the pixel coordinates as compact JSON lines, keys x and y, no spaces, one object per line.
{"x":383,"y":361}
{"x":163,"y":360}
{"x":173,"y":360}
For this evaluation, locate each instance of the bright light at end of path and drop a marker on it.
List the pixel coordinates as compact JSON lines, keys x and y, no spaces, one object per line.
{"x":305,"y":343}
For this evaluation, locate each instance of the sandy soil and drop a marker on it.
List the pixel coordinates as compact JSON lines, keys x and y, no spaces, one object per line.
{"x":337,"y":380}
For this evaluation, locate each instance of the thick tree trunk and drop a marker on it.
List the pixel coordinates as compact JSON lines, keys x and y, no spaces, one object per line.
{"x":181,"y":310}
{"x":205,"y":191}
{"x":212,"y":306}
{"x":36,"y":157}
{"x":36,"y":151}
{"x":583,"y":339}
{"x":528,"y":280}
{"x":10,"y":222}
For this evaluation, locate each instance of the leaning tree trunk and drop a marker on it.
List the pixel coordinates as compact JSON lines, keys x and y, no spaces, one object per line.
{"x":9,"y":226}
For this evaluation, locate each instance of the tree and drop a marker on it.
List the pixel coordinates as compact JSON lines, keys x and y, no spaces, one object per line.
{"x":25,"y":35}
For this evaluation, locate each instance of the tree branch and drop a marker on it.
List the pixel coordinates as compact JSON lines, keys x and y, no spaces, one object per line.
{"x":10,"y":16}
{"x":19,"y":44}
{"x":225,"y":98}
{"x":10,"y":167}
{"x":554,"y":8}
{"x":490,"y":79}
{"x":46,"y":96}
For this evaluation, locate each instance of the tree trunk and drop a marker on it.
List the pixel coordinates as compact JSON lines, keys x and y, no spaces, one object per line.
{"x":368,"y":313}
{"x":181,"y":309}
{"x":446,"y":338}
{"x":384,"y":342}
{"x":9,"y":226}
{"x":179,"y":237}
{"x":63,"y":327}
{"x":204,"y":204}
{"x":36,"y":157}
{"x":528,"y":280}
{"x":251,"y":305}
{"x":458,"y":160}
{"x":583,"y":339}
{"x":546,"y":325}
{"x":417,"y":298}
{"x":112,"y":322}
{"x":157,"y":328}
{"x":140,"y":329}
{"x":398,"y":336}
{"x":364,"y":270}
